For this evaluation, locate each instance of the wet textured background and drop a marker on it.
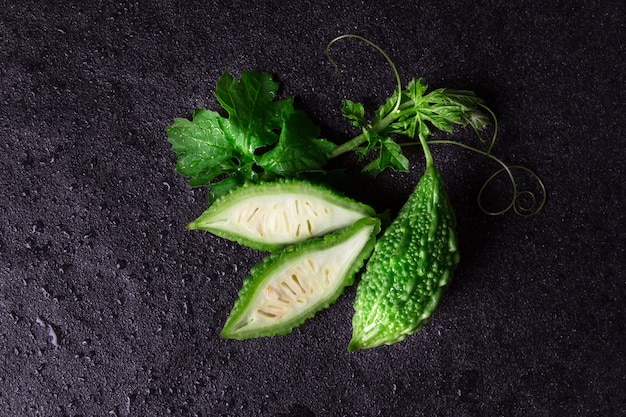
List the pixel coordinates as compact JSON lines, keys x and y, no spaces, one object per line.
{"x":109,"y":307}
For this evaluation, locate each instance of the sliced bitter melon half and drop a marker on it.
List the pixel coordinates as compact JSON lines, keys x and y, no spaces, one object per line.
{"x":290,"y":286}
{"x":270,"y":216}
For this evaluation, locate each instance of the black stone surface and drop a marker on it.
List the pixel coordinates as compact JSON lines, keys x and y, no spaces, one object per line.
{"x":109,"y":307}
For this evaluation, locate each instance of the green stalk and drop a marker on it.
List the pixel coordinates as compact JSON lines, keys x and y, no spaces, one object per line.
{"x":427,"y":154}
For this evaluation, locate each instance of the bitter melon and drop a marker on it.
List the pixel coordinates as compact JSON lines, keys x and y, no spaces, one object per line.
{"x":291,"y":285}
{"x":269,"y":216}
{"x":409,"y":268}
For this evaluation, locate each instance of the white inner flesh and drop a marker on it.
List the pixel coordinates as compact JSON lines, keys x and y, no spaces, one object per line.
{"x":301,"y":284}
{"x":285,"y":219}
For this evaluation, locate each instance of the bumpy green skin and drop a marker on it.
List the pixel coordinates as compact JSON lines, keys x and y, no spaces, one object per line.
{"x":252,"y":193}
{"x":297,"y":255}
{"x":411,"y":265}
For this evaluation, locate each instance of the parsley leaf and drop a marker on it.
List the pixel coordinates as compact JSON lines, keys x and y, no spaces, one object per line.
{"x":262,"y":137}
{"x":297,"y":150}
{"x":203,"y":144}
{"x":390,"y":157}
{"x":251,"y":108}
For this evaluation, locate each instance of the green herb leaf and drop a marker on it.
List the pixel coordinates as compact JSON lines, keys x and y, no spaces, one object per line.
{"x":372,"y":140}
{"x":252,"y":109}
{"x":261,"y":138}
{"x":355,"y":112}
{"x":390,"y":157}
{"x":383,"y":112}
{"x":298,"y":149}
{"x":204,"y":146}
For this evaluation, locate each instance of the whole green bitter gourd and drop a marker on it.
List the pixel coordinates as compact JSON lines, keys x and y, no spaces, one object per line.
{"x":411,"y":265}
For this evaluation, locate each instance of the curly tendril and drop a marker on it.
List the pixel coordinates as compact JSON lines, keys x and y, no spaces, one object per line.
{"x":523,"y":203}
